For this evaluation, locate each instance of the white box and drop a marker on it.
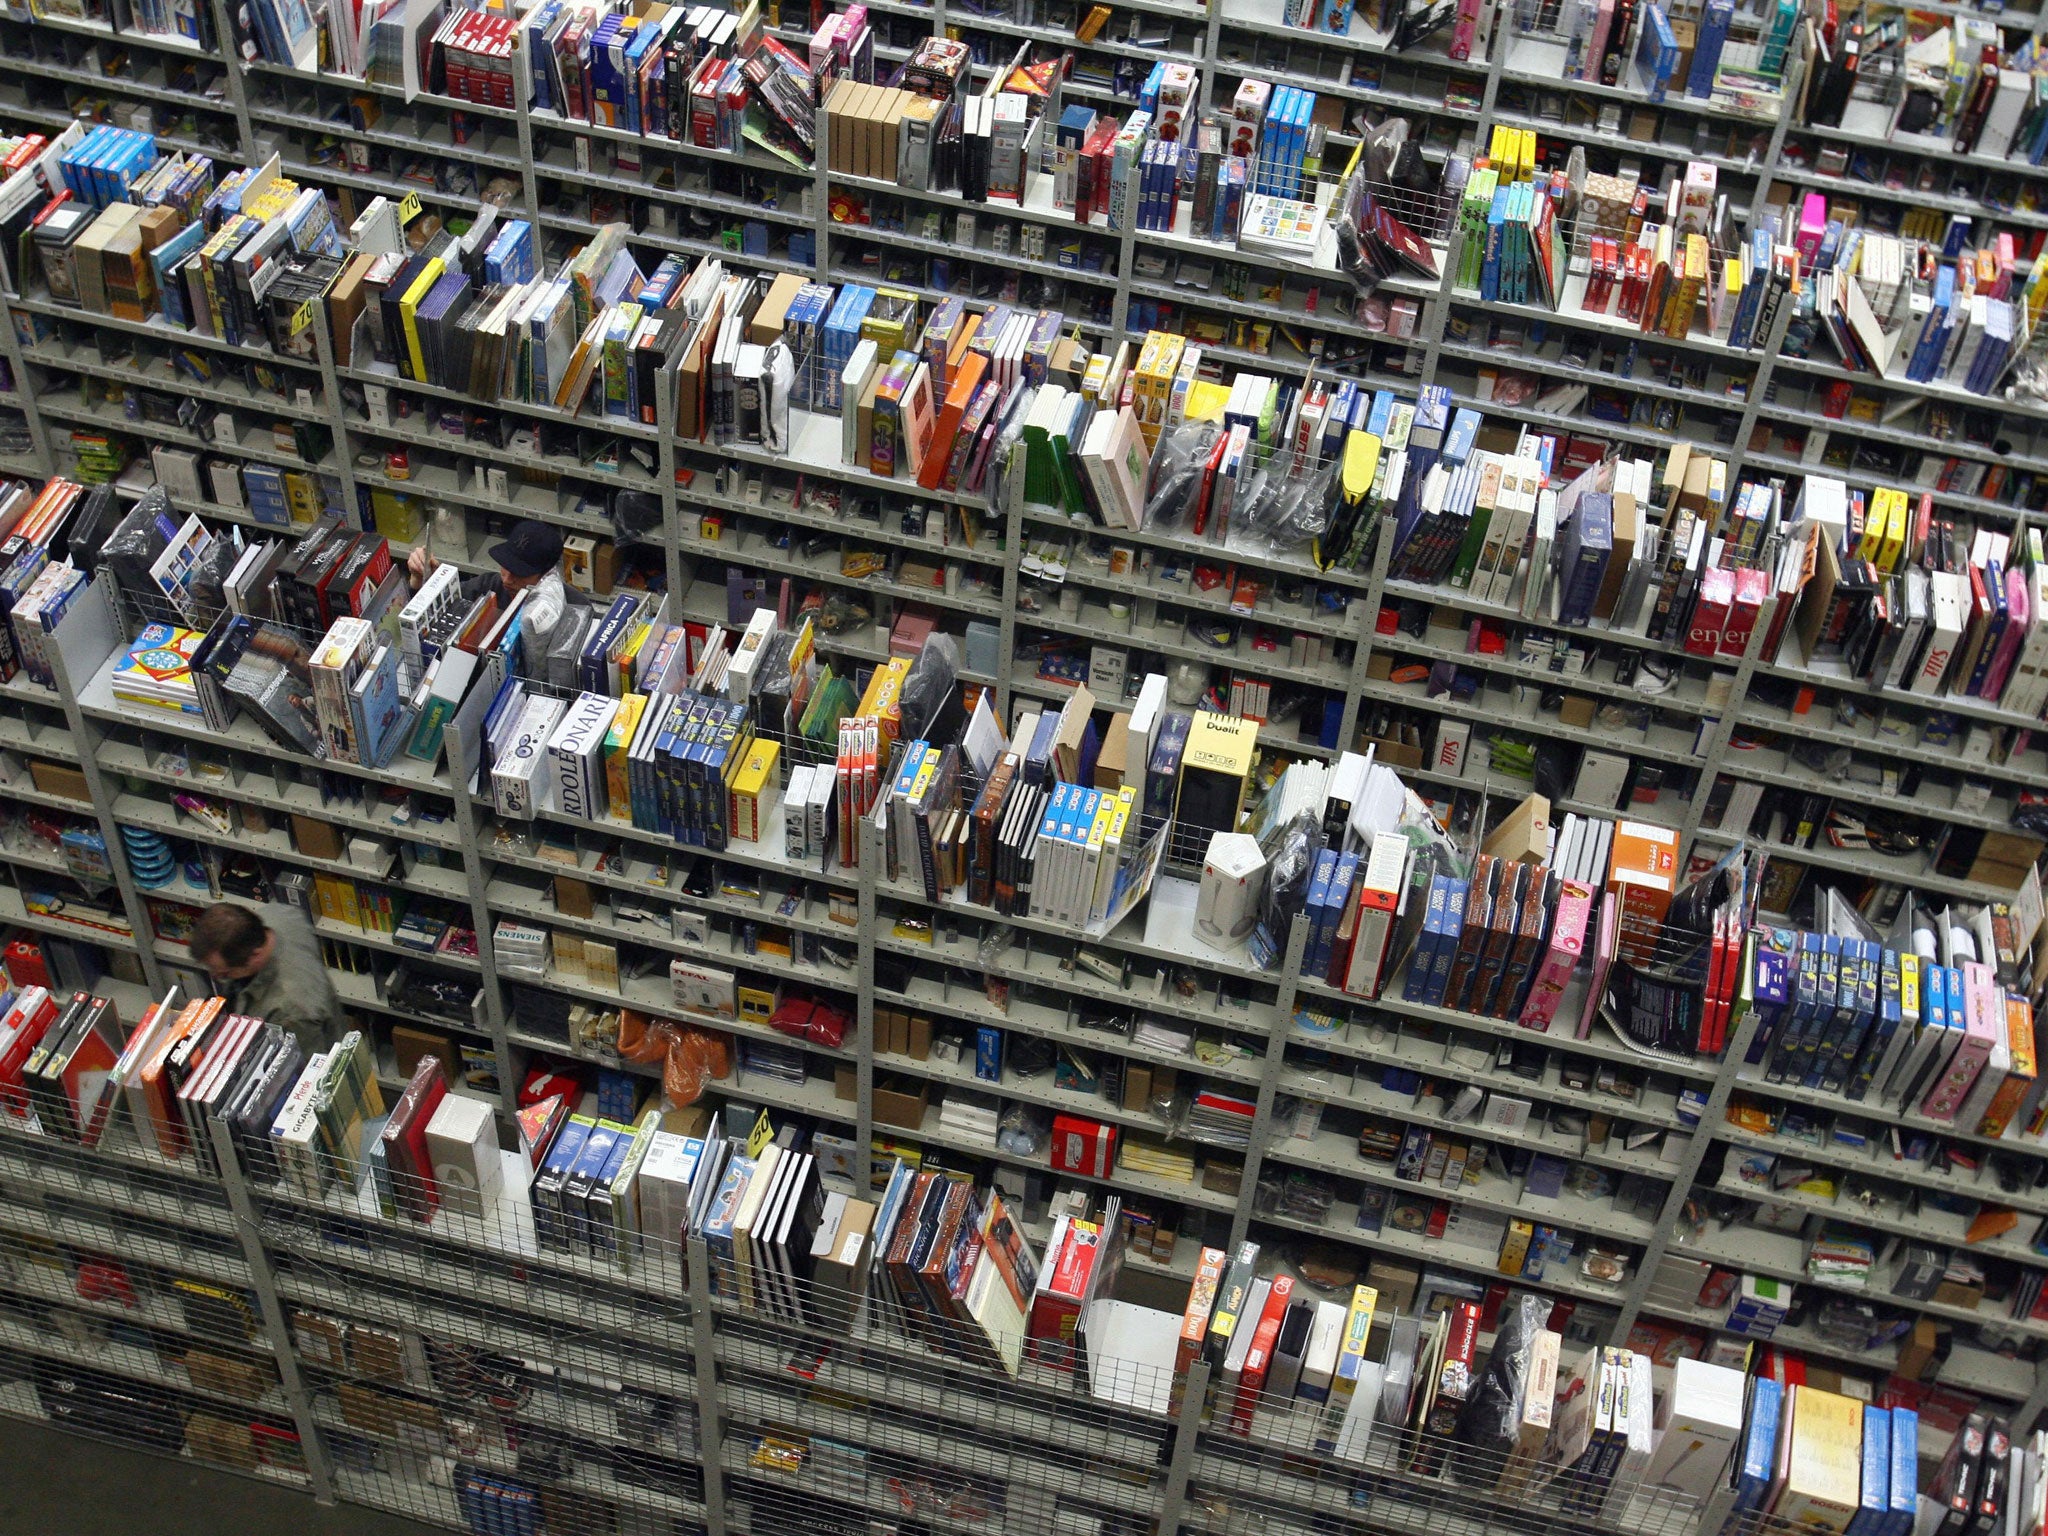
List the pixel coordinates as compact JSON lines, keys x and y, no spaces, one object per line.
{"x":1452,"y":737}
{"x":703,"y":989}
{"x":796,"y":811}
{"x":576,"y":756}
{"x":1699,"y":1421}
{"x":462,"y":1140}
{"x":521,"y":780}
{"x":1233,"y":884}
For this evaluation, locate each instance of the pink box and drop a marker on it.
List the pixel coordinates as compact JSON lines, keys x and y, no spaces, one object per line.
{"x":1813,"y":228}
{"x":1984,"y":1024}
{"x":1567,"y":943}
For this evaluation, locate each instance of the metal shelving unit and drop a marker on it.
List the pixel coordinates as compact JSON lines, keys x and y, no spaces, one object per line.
{"x":585,"y":1334}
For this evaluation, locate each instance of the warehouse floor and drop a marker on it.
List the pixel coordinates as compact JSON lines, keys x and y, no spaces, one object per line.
{"x":54,"y":1484}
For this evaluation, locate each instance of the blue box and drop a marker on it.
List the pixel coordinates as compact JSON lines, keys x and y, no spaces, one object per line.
{"x":988,"y":1054}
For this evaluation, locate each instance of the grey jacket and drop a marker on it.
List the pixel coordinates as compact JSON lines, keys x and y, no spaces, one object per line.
{"x":293,"y":988}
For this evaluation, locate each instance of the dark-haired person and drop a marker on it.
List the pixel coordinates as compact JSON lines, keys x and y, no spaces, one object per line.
{"x":529,"y":560}
{"x":268,"y":964}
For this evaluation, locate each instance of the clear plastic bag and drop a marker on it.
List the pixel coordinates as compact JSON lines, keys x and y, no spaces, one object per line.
{"x":1024,"y":1130}
{"x":636,"y":518}
{"x":1175,"y":477}
{"x":1290,"y":861}
{"x":138,"y":540}
{"x":1284,"y":511}
{"x":1491,"y":1417}
{"x":929,"y":683}
{"x":208,"y":586}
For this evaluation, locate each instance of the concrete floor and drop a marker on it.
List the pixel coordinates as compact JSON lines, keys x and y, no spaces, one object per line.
{"x":54,"y":1484}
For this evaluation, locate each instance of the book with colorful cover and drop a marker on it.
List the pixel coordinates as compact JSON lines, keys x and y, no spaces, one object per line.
{"x":157,"y":669}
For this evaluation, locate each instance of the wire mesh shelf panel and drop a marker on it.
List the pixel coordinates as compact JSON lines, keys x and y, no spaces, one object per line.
{"x":501,"y":1418}
{"x":861,"y":1407}
{"x":1296,"y":1463}
{"x":120,"y":1320}
{"x":152,"y":1172}
{"x":553,"y":1277}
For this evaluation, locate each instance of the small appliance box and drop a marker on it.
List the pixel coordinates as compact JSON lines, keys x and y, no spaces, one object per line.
{"x":1233,"y":885}
{"x":1082,"y":1146}
{"x":462,"y":1139}
{"x":522,"y":782}
{"x":1699,"y":1421}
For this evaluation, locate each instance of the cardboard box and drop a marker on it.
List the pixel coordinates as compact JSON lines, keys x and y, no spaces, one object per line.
{"x":59,"y":779}
{"x":315,"y":838}
{"x":1524,"y":837}
{"x":410,"y":1046}
{"x":572,"y":896}
{"x":901,"y":1103}
{"x":1396,"y":1283}
{"x":462,"y":1141}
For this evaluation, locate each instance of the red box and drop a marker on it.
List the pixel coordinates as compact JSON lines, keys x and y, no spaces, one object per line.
{"x":1056,"y":1307}
{"x":1710,"y":612}
{"x":1083,"y":1146}
{"x":1743,"y":612}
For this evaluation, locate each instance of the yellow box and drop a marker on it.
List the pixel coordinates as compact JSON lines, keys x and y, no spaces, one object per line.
{"x":752,"y":796}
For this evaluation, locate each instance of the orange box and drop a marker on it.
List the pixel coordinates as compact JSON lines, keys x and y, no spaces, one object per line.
{"x":1642,"y":874}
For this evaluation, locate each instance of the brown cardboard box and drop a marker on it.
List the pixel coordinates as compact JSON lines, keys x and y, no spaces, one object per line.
{"x":572,"y":896}
{"x":1394,"y":753}
{"x":1222,"y":1176}
{"x":2003,"y":859}
{"x":315,"y":838}
{"x":1137,"y":1086}
{"x":902,"y":1102}
{"x":1524,"y":837}
{"x":59,"y":779}
{"x":1577,"y":710}
{"x":1109,"y":762}
{"x":846,"y":1083}
{"x":226,"y":1441}
{"x":1954,"y":1293}
{"x":1919,"y":1350}
{"x":1396,"y":1282}
{"x":919,"y":1046}
{"x":228,"y":1375}
{"x":409,"y":1045}
{"x":766,"y":326}
{"x":690,"y":1120}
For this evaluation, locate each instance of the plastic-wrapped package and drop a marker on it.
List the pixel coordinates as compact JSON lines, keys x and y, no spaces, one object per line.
{"x":929,"y":683}
{"x":690,"y":1056}
{"x":636,"y":518}
{"x":841,"y":612}
{"x":1175,"y":476}
{"x":1491,"y":1419}
{"x":210,"y":573}
{"x":1290,"y":851}
{"x":1284,"y":511}
{"x":139,"y":539}
{"x":1024,"y":1130}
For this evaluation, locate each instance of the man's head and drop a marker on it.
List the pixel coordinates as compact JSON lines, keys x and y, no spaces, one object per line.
{"x":232,"y":941}
{"x":529,"y":552}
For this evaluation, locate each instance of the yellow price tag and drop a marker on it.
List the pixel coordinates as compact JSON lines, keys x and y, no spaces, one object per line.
{"x":759,"y":1137}
{"x":409,"y":209}
{"x":302,"y":317}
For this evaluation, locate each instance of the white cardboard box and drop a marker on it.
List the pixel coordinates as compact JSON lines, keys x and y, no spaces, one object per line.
{"x":462,"y":1140}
